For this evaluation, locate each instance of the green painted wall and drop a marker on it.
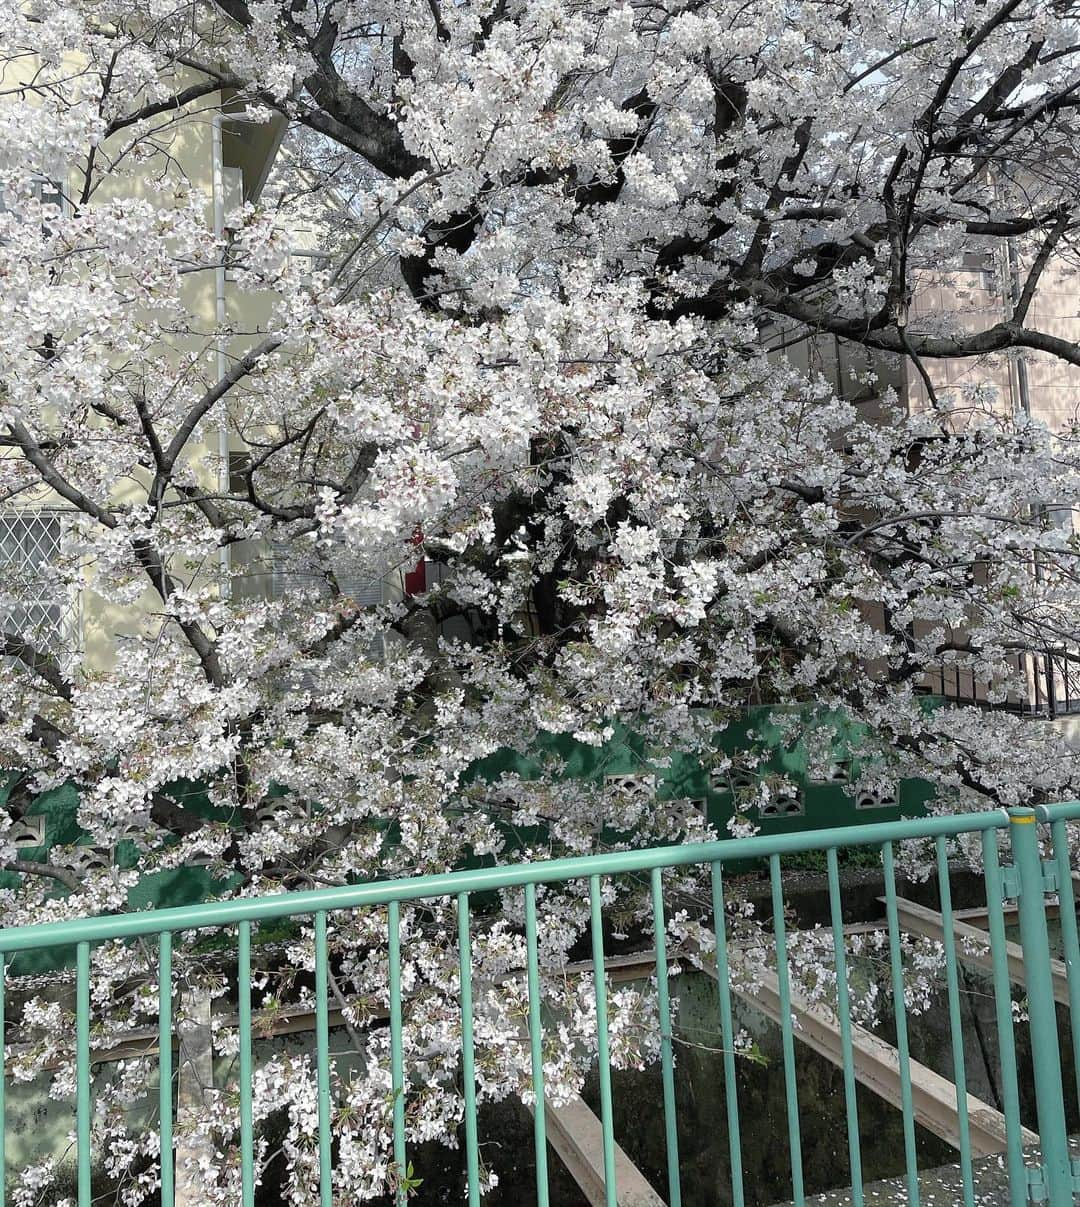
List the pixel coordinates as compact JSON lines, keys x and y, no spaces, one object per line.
{"x":815,"y":804}
{"x":157,"y":890}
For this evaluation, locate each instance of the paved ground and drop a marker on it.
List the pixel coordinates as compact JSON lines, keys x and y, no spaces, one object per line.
{"x":938,"y":1187}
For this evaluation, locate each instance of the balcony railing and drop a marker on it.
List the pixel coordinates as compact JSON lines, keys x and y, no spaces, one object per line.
{"x":1028,"y":835}
{"x":1051,"y":680}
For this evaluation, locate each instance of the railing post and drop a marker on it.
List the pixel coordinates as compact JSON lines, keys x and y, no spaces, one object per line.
{"x":195,"y":1083}
{"x":1056,"y":1174}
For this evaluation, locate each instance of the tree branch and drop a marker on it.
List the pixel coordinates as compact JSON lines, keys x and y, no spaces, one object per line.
{"x":198,"y":412}
{"x":1053,"y":238}
{"x":44,"y":665}
{"x":32,"y":867}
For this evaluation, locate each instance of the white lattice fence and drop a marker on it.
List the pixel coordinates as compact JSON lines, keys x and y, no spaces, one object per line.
{"x":33,"y":603}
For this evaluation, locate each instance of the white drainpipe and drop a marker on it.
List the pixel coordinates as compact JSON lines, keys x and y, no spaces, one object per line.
{"x":220,"y":317}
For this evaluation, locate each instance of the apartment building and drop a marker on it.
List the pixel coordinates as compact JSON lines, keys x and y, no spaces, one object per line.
{"x":210,"y":148}
{"x":1041,"y":386}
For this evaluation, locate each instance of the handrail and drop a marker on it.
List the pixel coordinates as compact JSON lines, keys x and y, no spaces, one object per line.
{"x":210,"y":914}
{"x":1066,"y":810}
{"x":1029,"y":877}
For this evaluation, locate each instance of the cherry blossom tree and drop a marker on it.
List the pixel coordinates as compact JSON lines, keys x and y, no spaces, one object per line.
{"x":572,"y":249}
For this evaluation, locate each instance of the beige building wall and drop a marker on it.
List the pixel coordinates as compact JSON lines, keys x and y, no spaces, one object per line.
{"x":1043,"y":384}
{"x":980,"y":295}
{"x":1054,"y":386}
{"x":1035,"y":383}
{"x":223,"y":161}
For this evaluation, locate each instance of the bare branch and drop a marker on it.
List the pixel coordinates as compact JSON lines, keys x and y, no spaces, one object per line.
{"x":1053,"y":238}
{"x":198,"y":412}
{"x":168,"y":104}
{"x":44,"y":665}
{"x":51,"y":476}
{"x":32,"y":867}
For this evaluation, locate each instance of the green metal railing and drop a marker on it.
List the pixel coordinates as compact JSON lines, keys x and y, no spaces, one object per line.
{"x":1048,"y":1176}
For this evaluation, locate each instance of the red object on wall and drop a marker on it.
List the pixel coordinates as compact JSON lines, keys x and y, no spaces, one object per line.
{"x":416,"y":578}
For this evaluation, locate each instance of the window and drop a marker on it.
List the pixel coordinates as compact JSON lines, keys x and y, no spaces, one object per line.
{"x":1060,"y":515}
{"x":305,"y":264}
{"x":238,"y":467}
{"x":983,"y":264}
{"x":44,"y":190}
{"x":854,"y":372}
{"x":49,"y":192}
{"x":290,"y":574}
{"x":32,"y":603}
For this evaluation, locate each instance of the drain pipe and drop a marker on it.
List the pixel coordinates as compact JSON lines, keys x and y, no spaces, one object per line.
{"x":1023,"y":397}
{"x":1023,"y":385}
{"x":220,"y":316}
